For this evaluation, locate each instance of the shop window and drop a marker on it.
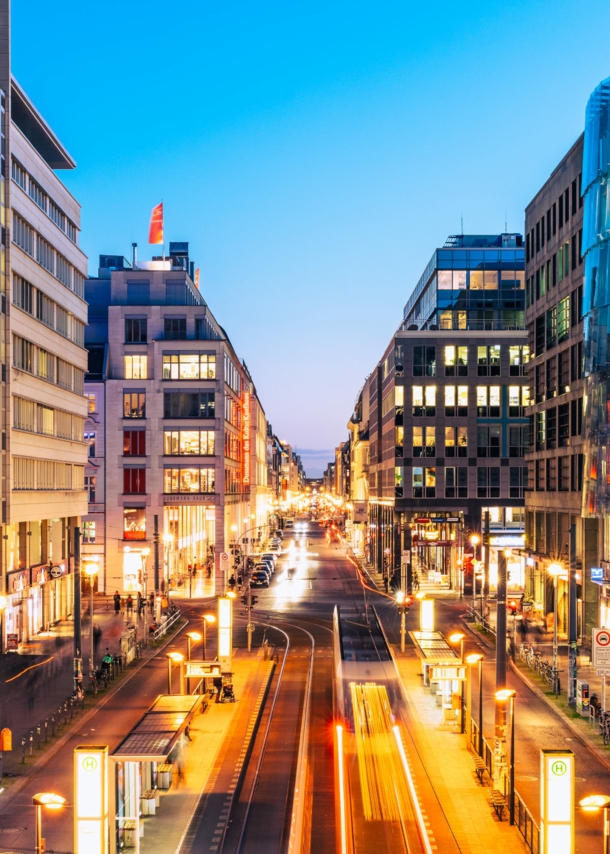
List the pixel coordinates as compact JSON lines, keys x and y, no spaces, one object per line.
{"x":134,"y":523}
{"x":456,"y":441}
{"x":456,"y":482}
{"x":424,"y":361}
{"x":88,"y":533}
{"x":134,"y":443}
{"x":488,"y":401}
{"x":136,"y":367}
{"x":134,"y":481}
{"x":134,"y":404}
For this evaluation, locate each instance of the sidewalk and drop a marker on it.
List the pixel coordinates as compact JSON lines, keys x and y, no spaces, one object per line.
{"x":450,"y":768}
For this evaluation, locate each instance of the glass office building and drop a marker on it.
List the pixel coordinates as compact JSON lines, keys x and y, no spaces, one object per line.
{"x":474,"y":282}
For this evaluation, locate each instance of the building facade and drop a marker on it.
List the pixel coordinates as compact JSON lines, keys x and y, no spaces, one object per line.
{"x":180,"y":477}
{"x":43,"y":361}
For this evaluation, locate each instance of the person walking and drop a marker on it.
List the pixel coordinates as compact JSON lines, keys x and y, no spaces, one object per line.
{"x":151,"y":604}
{"x":117,"y":603}
{"x":97,"y":636}
{"x":140,"y":604}
{"x":130,"y":605}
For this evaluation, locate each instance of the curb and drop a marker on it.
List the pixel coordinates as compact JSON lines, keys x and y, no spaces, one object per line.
{"x":61,"y":742}
{"x":582,"y":737}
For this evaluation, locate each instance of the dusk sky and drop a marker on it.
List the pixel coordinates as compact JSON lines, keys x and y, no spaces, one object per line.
{"x":313,"y":154}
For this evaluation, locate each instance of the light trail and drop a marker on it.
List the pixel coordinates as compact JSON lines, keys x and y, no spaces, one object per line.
{"x":423,"y":833}
{"x":342,"y":812}
{"x":31,"y":667}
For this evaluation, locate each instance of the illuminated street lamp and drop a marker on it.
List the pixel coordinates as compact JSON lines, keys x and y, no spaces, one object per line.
{"x":502,"y":696}
{"x":555,"y":570}
{"x":91,"y":570}
{"x":49,"y":801}
{"x":404,"y":602}
{"x":458,"y":637}
{"x":471,"y":660}
{"x":191,"y":637}
{"x":595,"y":803}
{"x":175,"y":658}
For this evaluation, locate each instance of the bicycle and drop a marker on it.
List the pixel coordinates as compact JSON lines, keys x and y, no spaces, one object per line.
{"x":604,"y":726}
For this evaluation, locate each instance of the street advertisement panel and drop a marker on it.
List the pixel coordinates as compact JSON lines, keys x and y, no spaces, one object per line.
{"x":557,"y":802}
{"x":91,"y":799}
{"x":225,"y":631}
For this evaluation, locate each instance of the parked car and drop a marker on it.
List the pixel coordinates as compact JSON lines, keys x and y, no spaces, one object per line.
{"x":264,"y":567}
{"x":259,"y":578}
{"x":271,"y":557}
{"x":275,"y":549}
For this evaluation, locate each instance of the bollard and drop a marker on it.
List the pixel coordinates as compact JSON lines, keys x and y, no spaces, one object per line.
{"x":46,"y":730}
{"x":38,"y":731}
{"x":71,"y":707}
{"x":23,"y":750}
{"x":53,"y":724}
{"x":31,"y":742}
{"x":66,"y":709}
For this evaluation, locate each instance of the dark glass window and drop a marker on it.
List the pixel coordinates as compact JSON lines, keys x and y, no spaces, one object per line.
{"x":134,"y":480}
{"x":134,"y":443}
{"x":424,"y":361}
{"x":185,"y":404}
{"x":138,"y":293}
{"x":174,"y":328}
{"x":135,"y":330}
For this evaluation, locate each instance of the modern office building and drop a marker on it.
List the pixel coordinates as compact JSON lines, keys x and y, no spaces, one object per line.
{"x":446,"y":424}
{"x":554,"y":316}
{"x":43,"y":360}
{"x":175,"y":479}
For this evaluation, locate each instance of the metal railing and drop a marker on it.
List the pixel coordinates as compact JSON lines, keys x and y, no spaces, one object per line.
{"x":523,"y":818}
{"x":166,"y":625}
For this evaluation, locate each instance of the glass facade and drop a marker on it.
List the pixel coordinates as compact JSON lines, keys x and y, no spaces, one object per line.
{"x":473,"y":282}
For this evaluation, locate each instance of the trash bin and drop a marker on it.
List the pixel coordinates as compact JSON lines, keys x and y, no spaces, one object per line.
{"x":164,"y":775}
{"x":148,"y":803}
{"x":582,"y":697}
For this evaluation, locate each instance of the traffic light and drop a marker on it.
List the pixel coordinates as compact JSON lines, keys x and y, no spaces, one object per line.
{"x":244,"y":598}
{"x":513,"y":606}
{"x":253,"y":600}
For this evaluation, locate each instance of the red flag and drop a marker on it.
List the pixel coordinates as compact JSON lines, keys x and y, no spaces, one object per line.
{"x":197,"y":277}
{"x":155,"y":232}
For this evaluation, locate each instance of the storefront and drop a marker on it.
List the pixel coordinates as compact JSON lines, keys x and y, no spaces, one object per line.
{"x":189,"y":540}
{"x":437,"y":547}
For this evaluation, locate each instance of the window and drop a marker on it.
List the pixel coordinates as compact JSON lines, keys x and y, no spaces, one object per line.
{"x":488,"y":482}
{"x":88,"y":532}
{"x":551,"y":427}
{"x":57,"y":215}
{"x":563,"y":319}
{"x":195,"y":479}
{"x":488,"y":401}
{"x":90,"y":480}
{"x":134,"y":404}
{"x":563,"y":362}
{"x":488,"y":361}
{"x":551,"y":377}
{"x":518,"y":359}
{"x":456,"y":482}
{"x":89,"y":437}
{"x":174,"y":328}
{"x":45,"y":309}
{"x":551,"y":474}
{"x":517,"y":481}
{"x":204,"y":331}
{"x":424,"y":442}
{"x":488,"y":441}
{"x":456,"y":361}
{"x":45,"y":254}
{"x":185,"y":404}
{"x":424,"y":400}
{"x":576,"y":417}
{"x":540,"y":475}
{"x":24,"y":235}
{"x":540,"y":334}
{"x":563,"y":473}
{"x":23,"y":294}
{"x":518,"y":399}
{"x":456,"y":401}
{"x":424,"y":482}
{"x":189,"y":366}
{"x":399,"y":359}
{"x":399,"y":438}
{"x":540,"y":430}
{"x":424,"y":361}
{"x":177,"y":293}
{"x":576,"y":470}
{"x":18,"y":173}
{"x":517,"y":441}
{"x":135,"y":330}
{"x":23,"y":354}
{"x":188,"y":442}
{"x":134,"y":523}
{"x":456,"y":441}
{"x":134,"y":443}
{"x":551,"y":327}
{"x":138,"y":293}
{"x":134,"y":480}
{"x":540,"y":382}
{"x":63,"y":270}
{"x":563,"y":424}
{"x":399,"y":400}
{"x":136,"y":367}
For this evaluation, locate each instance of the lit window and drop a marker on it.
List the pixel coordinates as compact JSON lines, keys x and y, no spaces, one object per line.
{"x":399,"y":395}
{"x":88,"y":532}
{"x":136,"y":367}
{"x":92,"y":402}
{"x":189,"y":366}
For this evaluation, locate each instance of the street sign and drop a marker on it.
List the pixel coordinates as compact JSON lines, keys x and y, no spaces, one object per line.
{"x":12,"y":642}
{"x":602,"y":671}
{"x":422,"y":521}
{"x":441,"y":673}
{"x":601,"y":648}
{"x":55,"y":571}
{"x":202,"y":668}
{"x":452,"y":519}
{"x":224,"y":560}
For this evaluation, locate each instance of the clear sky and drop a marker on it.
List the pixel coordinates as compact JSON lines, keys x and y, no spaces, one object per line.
{"x":313,"y":153}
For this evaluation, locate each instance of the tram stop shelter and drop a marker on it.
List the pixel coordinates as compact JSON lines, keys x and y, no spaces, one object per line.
{"x":443,"y":670}
{"x":144,"y":763}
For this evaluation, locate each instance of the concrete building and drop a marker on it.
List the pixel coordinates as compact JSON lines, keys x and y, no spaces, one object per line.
{"x":358,"y":426}
{"x":554,"y":316}
{"x":43,"y":360}
{"x":180,"y":470}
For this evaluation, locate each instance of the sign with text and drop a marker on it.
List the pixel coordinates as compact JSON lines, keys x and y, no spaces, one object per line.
{"x":557,"y":802}
{"x":246,"y":440}
{"x":601,"y":648}
{"x":198,"y":669}
{"x":441,"y":673}
{"x":91,"y":799}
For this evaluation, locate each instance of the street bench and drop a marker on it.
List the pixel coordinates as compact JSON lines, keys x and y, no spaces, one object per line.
{"x":498,"y":802}
{"x":480,"y":769}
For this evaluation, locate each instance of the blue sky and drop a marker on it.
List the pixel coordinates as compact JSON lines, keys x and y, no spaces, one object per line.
{"x":314,"y":154}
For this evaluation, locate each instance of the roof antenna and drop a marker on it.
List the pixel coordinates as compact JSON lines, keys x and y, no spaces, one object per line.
{"x":505,"y":224}
{"x":134,"y":250}
{"x":462,"y":224}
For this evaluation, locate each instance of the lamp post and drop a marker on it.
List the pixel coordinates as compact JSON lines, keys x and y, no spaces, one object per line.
{"x":472,"y":659}
{"x":191,"y":637}
{"x":555,"y":570}
{"x":474,"y":542}
{"x":50,"y":801}
{"x":458,"y":637}
{"x":595,"y":803}
{"x":502,"y":696}
{"x":175,"y":658}
{"x":403,"y":607}
{"x":91,"y":570}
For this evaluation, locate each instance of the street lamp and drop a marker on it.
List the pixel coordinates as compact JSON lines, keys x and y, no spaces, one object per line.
{"x":403,"y":606}
{"x":502,"y":696}
{"x":471,"y":660}
{"x":555,"y":570}
{"x":168,"y":539}
{"x":595,"y":803}
{"x":91,"y":570}
{"x":191,"y":637}
{"x":458,"y":637}
{"x":176,"y":658}
{"x":474,"y":542}
{"x":50,"y":801}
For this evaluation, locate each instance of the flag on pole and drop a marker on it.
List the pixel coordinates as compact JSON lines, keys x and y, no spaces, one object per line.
{"x":197,"y":278}
{"x":155,"y":232}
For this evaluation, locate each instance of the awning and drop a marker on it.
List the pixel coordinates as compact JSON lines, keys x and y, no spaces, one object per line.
{"x":433,"y":648}
{"x":155,"y":735}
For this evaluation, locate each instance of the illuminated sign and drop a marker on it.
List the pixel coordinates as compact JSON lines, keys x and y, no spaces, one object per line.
{"x":225,"y":631}
{"x":426,"y":615}
{"x":197,"y":669}
{"x":246,"y":440}
{"x":91,"y":800}
{"x":557,"y":796}
{"x":508,"y":540}
{"x":597,"y":574}
{"x":439,"y":674}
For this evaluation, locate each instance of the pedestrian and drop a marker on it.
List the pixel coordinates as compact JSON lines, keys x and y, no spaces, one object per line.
{"x":130,"y":605}
{"x":117,"y":603}
{"x":107,"y":662}
{"x":151,"y":604}
{"x":232,"y":582}
{"x":97,"y":636}
{"x":240,"y":580}
{"x":415,"y":580}
{"x":522,"y":629}
{"x":140,"y":604}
